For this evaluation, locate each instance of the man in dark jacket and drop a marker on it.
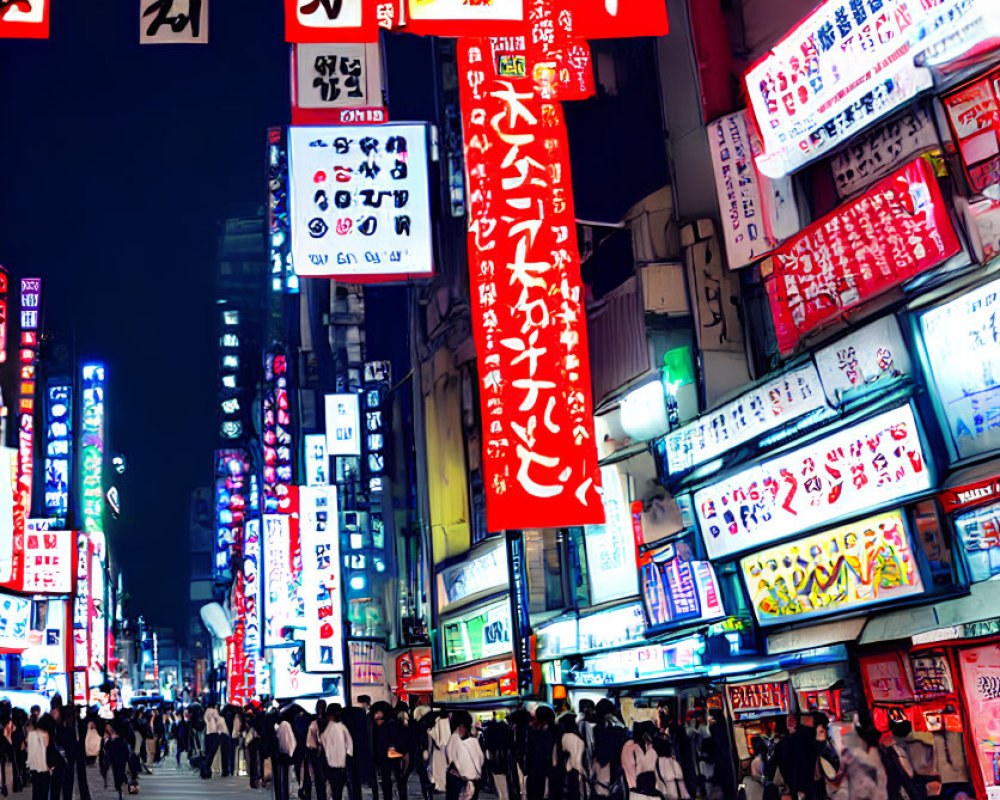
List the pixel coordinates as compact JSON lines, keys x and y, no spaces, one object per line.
{"x":360,"y":771}
{"x":795,"y":756}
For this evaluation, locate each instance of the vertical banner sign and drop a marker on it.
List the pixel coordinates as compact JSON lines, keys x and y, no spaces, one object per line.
{"x":231,"y":412}
{"x":232,"y":469}
{"x":252,"y":601}
{"x":324,"y":643}
{"x":58,"y":440}
{"x":31,"y":297}
{"x":540,"y":460}
{"x":92,"y":454}
{"x":24,"y":19}
{"x":981,"y":679}
{"x":3,"y":316}
{"x":279,"y":253}
{"x":81,"y":606}
{"x":518,"y":578}
{"x":48,"y":562}
{"x":337,"y":84}
{"x":374,"y":463}
{"x":173,"y":21}
{"x":98,"y":627}
{"x":283,"y":608}
{"x":236,"y":675}
{"x":343,"y":425}
{"x":317,"y":473}
{"x":277,"y":423}
{"x":9,"y":553}
{"x":897,"y":229}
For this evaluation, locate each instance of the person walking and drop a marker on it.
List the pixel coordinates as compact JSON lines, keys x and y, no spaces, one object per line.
{"x":336,"y":748}
{"x":284,"y":757}
{"x":37,"y":743}
{"x":359,"y":769}
{"x":251,"y":746}
{"x":213,"y":729}
{"x":315,"y":768}
{"x":465,"y":759}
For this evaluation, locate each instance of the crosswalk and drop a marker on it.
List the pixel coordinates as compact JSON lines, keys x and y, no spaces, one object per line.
{"x":180,"y":784}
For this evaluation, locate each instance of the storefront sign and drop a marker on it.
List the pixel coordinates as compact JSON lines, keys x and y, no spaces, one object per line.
{"x":368,"y":661}
{"x":48,"y":562}
{"x":872,"y":353}
{"x":606,"y":630}
{"x":15,"y":621}
{"x":92,"y":453}
{"x":25,"y":19}
{"x":979,"y":532}
{"x":539,"y":456}
{"x":931,"y":675}
{"x":837,"y":71}
{"x":481,"y":633}
{"x":414,"y":673}
{"x":330,"y":21}
{"x":232,"y":468}
{"x":676,"y":589}
{"x":959,"y":30}
{"x":330,"y":78}
{"x":360,"y":201}
{"x":279,"y":254}
{"x":897,"y":229}
{"x":962,"y":341}
{"x":58,"y":440}
{"x":484,"y":572}
{"x":777,"y":402}
{"x":981,"y":678}
{"x":655,"y":662}
{"x":81,"y":605}
{"x":611,"y":546}
{"x":862,"y":564}
{"x":871,"y":463}
{"x":321,"y":590}
{"x":971,"y":494}
{"x":974,"y":118}
{"x":755,"y":700}
{"x":31,"y":301}
{"x":283,"y":605}
{"x":343,"y":425}
{"x":251,"y":588}
{"x":874,"y":154}
{"x":489,"y":681}
{"x":557,"y":639}
{"x":289,"y":679}
{"x":886,"y":679}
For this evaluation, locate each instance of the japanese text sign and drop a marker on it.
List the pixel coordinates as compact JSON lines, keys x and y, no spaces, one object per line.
{"x":283,"y":603}
{"x":48,"y":561}
{"x":897,"y":229}
{"x":749,"y":700}
{"x":840,"y":69}
{"x":58,"y":441}
{"x":962,"y":341}
{"x":327,"y":79}
{"x":24,"y":19}
{"x":173,"y":22}
{"x":359,"y":199}
{"x":857,"y":565}
{"x":343,"y":425}
{"x":462,"y":18}
{"x":874,"y":352}
{"x":324,"y":643}
{"x":251,"y":589}
{"x":92,"y":452}
{"x":776,"y":402}
{"x":868,"y":464}
{"x":539,"y":456}
{"x":330,"y":21}
{"x":974,"y":117}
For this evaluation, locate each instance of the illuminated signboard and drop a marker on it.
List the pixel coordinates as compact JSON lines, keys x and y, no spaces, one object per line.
{"x":484,"y":572}
{"x":557,"y":639}
{"x":232,"y":469}
{"x":843,"y":67}
{"x":482,"y":633}
{"x":374,"y":439}
{"x":774,"y":403}
{"x":972,"y":114}
{"x":343,"y":425}
{"x":316,"y":459}
{"x":962,"y":342}
{"x":25,"y":20}
{"x":231,"y":411}
{"x":331,"y":21}
{"x":43,"y":662}
{"x":611,"y":546}
{"x":657,"y":661}
{"x":959,"y":30}
{"x":897,"y":229}
{"x":980,"y":668}
{"x":979,"y":532}
{"x":755,"y":700}
{"x":58,"y":440}
{"x":8,"y":553}
{"x":279,"y":253}
{"x":15,"y":621}
{"x":277,"y":435}
{"x":81,"y":604}
{"x":92,"y":453}
{"x":615,"y":627}
{"x":862,"y":564}
{"x":676,"y":588}
{"x":538,"y":451}
{"x":3,"y":315}
{"x":290,"y":680}
{"x":98,"y":627}
{"x":283,"y":603}
{"x":174,"y":22}
{"x":31,"y":301}
{"x":331,"y":79}
{"x":360,"y":201}
{"x":872,"y":353}
{"x":48,"y":562}
{"x":493,"y":679}
{"x":251,"y":601}
{"x":321,"y":589}
{"x":868,"y":464}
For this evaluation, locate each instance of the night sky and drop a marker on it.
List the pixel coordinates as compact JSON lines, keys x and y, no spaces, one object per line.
{"x":116,"y":164}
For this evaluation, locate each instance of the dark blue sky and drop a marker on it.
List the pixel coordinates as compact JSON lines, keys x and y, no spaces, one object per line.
{"x":116,"y":163}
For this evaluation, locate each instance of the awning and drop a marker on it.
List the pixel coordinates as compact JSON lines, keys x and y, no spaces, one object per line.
{"x":983,"y":602}
{"x":822,"y":635}
{"x":818,"y":679}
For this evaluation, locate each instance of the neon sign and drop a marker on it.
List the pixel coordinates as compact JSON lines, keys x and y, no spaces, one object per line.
{"x":92,"y":453}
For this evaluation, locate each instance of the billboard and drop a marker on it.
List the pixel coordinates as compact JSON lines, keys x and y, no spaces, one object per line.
{"x":484,"y":632}
{"x":58,"y":441}
{"x":854,"y":566}
{"x":321,"y":588}
{"x":473,"y":575}
{"x":871,"y":463}
{"x":343,"y":425}
{"x":538,"y":451}
{"x":359,"y":200}
{"x":871,"y":353}
{"x":48,"y":562}
{"x":962,"y":343}
{"x":677,"y":588}
{"x":611,"y":546}
{"x":316,"y":459}
{"x":92,"y":453}
{"x":895,"y":230}
{"x":31,"y":301}
{"x":334,"y":82}
{"x":283,"y":606}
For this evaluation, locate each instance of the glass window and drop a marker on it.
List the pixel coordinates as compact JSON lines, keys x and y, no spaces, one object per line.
{"x":483,"y":633}
{"x":544,"y":551}
{"x":979,"y":532}
{"x":611,"y":546}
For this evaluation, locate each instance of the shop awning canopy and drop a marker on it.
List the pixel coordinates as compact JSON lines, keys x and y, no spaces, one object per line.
{"x":822,"y":635}
{"x":982,"y":603}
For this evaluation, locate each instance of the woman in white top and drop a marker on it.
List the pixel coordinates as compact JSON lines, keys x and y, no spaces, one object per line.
{"x":37,"y":744}
{"x":337,"y":746}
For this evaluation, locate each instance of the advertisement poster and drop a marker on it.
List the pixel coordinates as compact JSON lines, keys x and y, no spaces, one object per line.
{"x":769,"y":406}
{"x":283,"y":607}
{"x":862,"y":564}
{"x":837,"y":71}
{"x":886,"y":679}
{"x":981,"y":678}
{"x":867,"y":464}
{"x":482,"y":633}
{"x":538,"y":451}
{"x":874,"y":352}
{"x":359,"y":199}
{"x":677,"y":588}
{"x":611,"y":546}
{"x":979,"y":532}
{"x":974,"y":119}
{"x":964,"y":331}
{"x":321,"y":589}
{"x":897,"y":229}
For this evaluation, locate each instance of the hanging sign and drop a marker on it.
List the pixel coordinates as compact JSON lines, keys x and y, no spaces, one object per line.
{"x":360,"y":201}
{"x":464,"y":18}
{"x":974,"y":117}
{"x":251,"y":592}
{"x":173,"y":21}
{"x":774,"y":403}
{"x":839,"y":70}
{"x":24,"y":19}
{"x":872,"y":353}
{"x":539,"y":456}
{"x":676,"y":588}
{"x":962,"y":341}
{"x":868,"y":464}
{"x":866,"y":563}
{"x":324,"y":636}
{"x":330,"y":21}
{"x":331,"y":82}
{"x":283,"y":603}
{"x":897,"y":229}
{"x":875,"y":153}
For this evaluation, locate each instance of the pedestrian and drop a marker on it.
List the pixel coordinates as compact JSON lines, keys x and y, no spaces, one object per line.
{"x":610,"y":736}
{"x":573,"y":750}
{"x":465,"y":759}
{"x":213,"y":730}
{"x":423,"y":721}
{"x":315,"y":769}
{"x":39,"y":758}
{"x":226,"y":745}
{"x":284,"y":757}
{"x":385,"y":753}
{"x":540,"y":756}
{"x":251,"y":746}
{"x":336,"y":748}
{"x":863,"y":768}
{"x":180,"y":735}
{"x":359,"y":768}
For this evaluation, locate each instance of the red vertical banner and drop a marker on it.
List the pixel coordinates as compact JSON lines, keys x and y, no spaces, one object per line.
{"x":539,"y":455}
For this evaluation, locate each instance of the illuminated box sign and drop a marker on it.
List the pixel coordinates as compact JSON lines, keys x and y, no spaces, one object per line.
{"x":979,"y":532}
{"x":316,"y":459}
{"x":3,"y":315}
{"x":897,"y":229}
{"x":868,"y":464}
{"x":58,"y":441}
{"x":98,"y":627}
{"x":279,"y":254}
{"x":484,"y":572}
{"x":958,"y":30}
{"x":343,"y":425}
{"x":606,"y":630}
{"x":866,"y":563}
{"x":321,"y":589}
{"x":360,"y":201}
{"x":557,"y":639}
{"x":676,"y":588}
{"x":962,"y":343}
{"x":368,"y":661}
{"x":872,"y":353}
{"x":290,"y":680}
{"x":755,"y":700}
{"x":231,"y":411}
{"x":251,"y":588}
{"x":973,"y":111}
{"x":980,"y":667}
{"x":48,"y":562}
{"x":655,"y":662}
{"x":173,"y":21}
{"x":283,"y":602}
{"x":15,"y":621}
{"x":611,"y":546}
{"x":31,"y":300}
{"x":839,"y":70}
{"x":25,"y":19}
{"x":775,"y":403}
{"x":232,"y":470}
{"x":92,"y":450}
{"x":81,"y":605}
{"x":488,"y":681}
{"x":477,"y":634}
{"x":331,"y":78}
{"x":539,"y":456}
{"x":972,"y":494}
{"x":277,"y":432}
{"x":331,"y":21}
{"x":374,"y":436}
